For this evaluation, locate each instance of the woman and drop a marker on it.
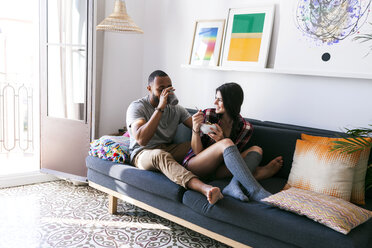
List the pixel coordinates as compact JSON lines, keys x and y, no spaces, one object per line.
{"x":221,"y":153}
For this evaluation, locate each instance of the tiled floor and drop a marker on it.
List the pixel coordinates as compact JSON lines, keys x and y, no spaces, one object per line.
{"x":58,"y":214}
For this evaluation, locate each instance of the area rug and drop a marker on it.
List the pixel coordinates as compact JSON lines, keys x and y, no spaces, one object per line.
{"x":59,"y":214}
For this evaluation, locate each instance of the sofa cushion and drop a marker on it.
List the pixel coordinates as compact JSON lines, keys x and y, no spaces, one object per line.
{"x":318,"y":169}
{"x":358,"y":189}
{"x":276,"y":223}
{"x":180,"y":210}
{"x":153,"y":182}
{"x":183,"y":134}
{"x":273,"y":184}
{"x":340,"y":215}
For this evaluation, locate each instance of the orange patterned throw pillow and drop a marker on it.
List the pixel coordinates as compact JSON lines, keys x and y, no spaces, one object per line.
{"x":317,"y":169}
{"x":358,"y":188}
{"x":340,"y":215}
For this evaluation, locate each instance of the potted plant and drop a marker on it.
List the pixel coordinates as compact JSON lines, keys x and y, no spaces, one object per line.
{"x":356,"y":140}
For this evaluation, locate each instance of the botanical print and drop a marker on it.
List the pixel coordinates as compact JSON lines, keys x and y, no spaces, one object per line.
{"x":331,"y":21}
{"x":325,"y":36}
{"x":365,"y":37}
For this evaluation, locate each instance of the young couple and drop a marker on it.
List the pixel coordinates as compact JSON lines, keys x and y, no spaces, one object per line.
{"x":221,"y":153}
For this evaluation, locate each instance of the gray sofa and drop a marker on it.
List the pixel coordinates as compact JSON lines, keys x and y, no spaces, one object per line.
{"x":236,"y":223}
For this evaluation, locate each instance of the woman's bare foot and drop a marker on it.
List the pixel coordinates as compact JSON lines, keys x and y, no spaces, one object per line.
{"x":213,"y":195}
{"x":263,"y":172}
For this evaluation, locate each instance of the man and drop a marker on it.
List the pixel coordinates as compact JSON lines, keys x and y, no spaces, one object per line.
{"x":152,"y":124}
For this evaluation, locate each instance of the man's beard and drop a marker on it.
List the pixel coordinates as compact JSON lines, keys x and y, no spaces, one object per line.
{"x":155,"y":99}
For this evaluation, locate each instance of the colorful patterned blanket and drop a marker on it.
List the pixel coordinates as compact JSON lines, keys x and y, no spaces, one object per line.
{"x":113,"y":148}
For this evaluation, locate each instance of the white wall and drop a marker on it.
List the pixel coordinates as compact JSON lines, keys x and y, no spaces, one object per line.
{"x":99,"y":12}
{"x":121,"y":80}
{"x":323,"y":102}
{"x":330,"y":103}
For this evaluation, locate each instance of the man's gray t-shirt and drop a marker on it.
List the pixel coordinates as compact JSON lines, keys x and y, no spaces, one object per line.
{"x":142,"y":109}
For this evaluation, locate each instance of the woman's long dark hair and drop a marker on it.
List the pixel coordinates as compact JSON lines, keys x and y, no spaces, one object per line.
{"x":232,"y":98}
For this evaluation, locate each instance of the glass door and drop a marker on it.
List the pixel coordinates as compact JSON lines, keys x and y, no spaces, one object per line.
{"x":66,"y":79}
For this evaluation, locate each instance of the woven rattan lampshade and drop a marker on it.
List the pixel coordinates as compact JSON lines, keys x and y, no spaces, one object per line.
{"x":119,"y":21}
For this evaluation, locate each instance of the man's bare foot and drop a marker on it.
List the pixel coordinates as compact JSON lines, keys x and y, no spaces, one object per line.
{"x":213,"y":195}
{"x":263,"y":172}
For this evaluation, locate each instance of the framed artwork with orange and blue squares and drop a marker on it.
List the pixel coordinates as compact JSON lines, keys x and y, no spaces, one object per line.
{"x":248,"y":35}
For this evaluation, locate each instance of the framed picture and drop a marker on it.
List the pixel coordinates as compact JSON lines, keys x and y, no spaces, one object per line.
{"x":206,"y":45}
{"x":248,"y":35}
{"x":306,"y":40}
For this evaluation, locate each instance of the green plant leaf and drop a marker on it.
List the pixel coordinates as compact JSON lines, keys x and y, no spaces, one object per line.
{"x":349,"y":146}
{"x":362,"y":141}
{"x":357,"y":132}
{"x":354,"y":140}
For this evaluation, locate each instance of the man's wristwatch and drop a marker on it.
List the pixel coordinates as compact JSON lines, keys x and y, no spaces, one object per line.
{"x":159,"y":109}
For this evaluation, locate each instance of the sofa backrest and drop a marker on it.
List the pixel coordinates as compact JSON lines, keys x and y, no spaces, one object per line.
{"x":276,"y":139}
{"x":280,"y":141}
{"x":183,"y":134}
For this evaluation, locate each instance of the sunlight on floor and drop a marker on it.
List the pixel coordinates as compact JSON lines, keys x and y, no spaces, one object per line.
{"x":16,"y":162}
{"x":102,"y":223}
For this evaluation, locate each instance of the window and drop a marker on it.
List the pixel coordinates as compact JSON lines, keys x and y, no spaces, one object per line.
{"x":67,"y":58}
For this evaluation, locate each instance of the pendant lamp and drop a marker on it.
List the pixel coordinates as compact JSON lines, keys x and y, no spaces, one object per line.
{"x":119,"y":21}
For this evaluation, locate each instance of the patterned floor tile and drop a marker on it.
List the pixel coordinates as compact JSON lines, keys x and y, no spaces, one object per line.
{"x":59,"y":214}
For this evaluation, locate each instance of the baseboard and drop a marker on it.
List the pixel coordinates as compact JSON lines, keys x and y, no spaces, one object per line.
{"x":76,"y":180}
{"x":26,"y":178}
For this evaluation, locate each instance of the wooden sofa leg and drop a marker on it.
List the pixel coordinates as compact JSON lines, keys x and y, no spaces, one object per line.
{"x":113,"y":204}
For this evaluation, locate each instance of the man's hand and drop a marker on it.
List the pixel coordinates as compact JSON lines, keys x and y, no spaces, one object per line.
{"x":163,"y":99}
{"x":217,"y":133}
